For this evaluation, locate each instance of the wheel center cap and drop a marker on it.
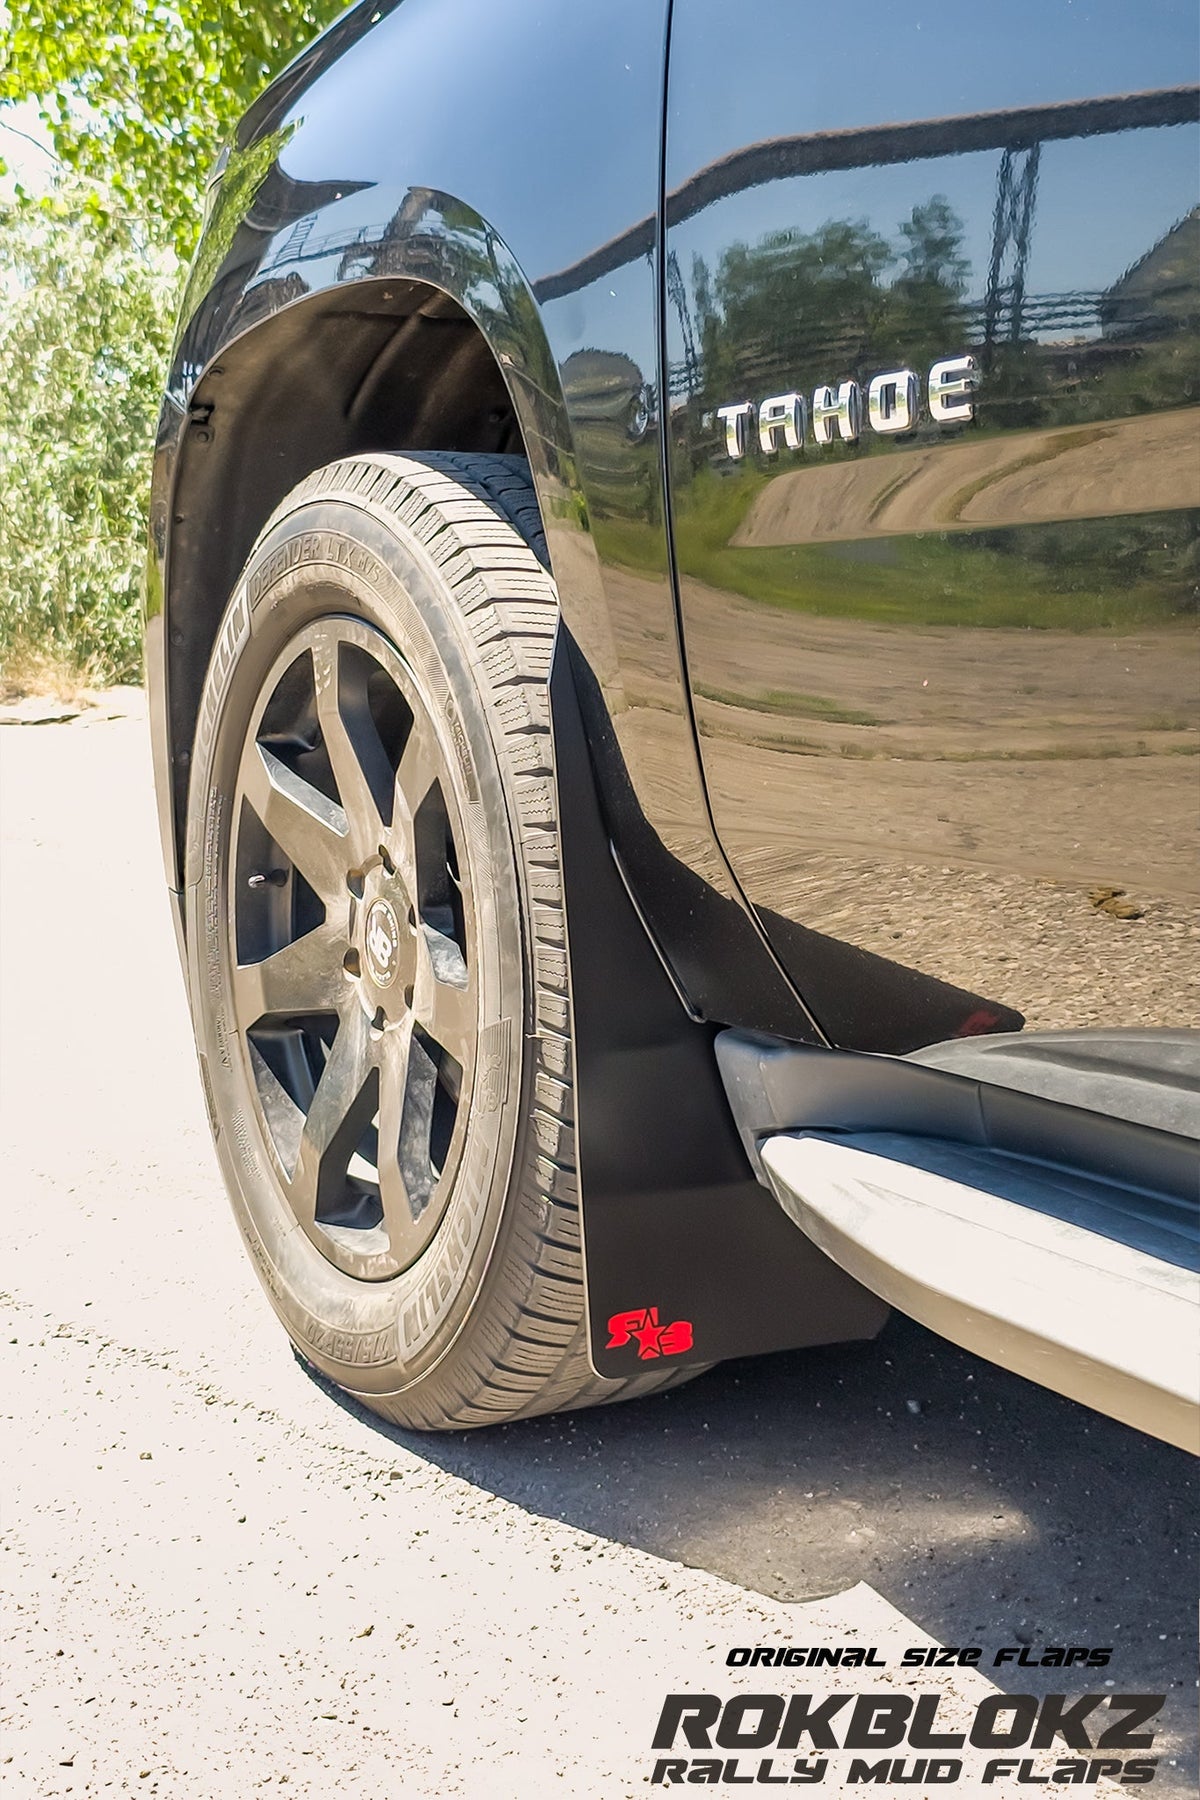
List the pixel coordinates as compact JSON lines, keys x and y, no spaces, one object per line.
{"x":381,"y":943}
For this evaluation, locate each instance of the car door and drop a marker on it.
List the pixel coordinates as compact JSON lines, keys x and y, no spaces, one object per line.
{"x":931,"y":319}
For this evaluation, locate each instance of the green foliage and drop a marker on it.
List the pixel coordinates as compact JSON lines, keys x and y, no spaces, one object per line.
{"x":137,"y":97}
{"x":140,"y":95}
{"x":1121,"y":575}
{"x":785,"y":310}
{"x":85,"y":299}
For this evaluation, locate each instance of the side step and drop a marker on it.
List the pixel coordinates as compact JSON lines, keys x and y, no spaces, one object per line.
{"x":1057,"y":1241}
{"x":982,"y":1248}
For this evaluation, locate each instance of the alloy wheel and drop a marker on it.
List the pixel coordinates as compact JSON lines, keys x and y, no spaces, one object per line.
{"x":351,"y":922}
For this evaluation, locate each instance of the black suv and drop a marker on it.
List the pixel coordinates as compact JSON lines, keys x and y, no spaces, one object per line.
{"x":674,"y":688}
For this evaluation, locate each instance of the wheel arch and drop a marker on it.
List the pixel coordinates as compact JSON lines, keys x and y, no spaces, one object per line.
{"x":422,"y":355}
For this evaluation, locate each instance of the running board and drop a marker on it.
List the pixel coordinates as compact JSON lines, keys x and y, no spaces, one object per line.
{"x":990,"y":1250}
{"x":1035,"y":1199}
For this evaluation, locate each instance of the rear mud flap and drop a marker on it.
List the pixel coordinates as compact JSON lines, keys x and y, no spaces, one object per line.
{"x":687,"y":1256}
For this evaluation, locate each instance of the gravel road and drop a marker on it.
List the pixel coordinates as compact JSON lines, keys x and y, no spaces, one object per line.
{"x":220,"y":1578}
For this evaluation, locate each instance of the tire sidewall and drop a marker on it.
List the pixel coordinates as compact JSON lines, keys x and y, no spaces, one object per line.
{"x":322,"y":557}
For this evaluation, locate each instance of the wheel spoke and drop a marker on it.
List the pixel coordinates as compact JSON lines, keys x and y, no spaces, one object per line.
{"x":356,"y":756}
{"x":443,"y":996}
{"x":304,"y":977}
{"x":402,"y":1183}
{"x":416,"y":774}
{"x":342,"y":1107}
{"x":309,"y":828}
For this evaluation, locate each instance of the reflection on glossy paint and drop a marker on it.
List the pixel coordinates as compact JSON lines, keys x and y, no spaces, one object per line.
{"x":946,"y":680}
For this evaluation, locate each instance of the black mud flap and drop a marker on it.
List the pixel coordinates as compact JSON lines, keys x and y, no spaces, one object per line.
{"x":686,"y":1255}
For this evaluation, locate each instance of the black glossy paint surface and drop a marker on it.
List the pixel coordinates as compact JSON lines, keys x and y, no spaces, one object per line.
{"x":509,"y":157}
{"x":946,"y":682}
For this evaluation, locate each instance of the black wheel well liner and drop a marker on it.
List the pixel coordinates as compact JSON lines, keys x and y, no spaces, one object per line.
{"x":376,"y":365}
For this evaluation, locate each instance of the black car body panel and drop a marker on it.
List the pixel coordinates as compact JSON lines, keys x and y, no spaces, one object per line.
{"x":864,"y":726}
{"x":364,"y":180}
{"x":945,"y":678}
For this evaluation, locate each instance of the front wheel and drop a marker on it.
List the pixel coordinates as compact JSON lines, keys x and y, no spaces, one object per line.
{"x":377,"y":955}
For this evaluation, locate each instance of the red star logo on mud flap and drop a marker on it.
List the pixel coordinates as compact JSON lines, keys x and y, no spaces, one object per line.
{"x":652,"y":1339}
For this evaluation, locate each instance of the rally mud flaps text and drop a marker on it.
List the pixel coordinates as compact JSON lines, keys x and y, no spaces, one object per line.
{"x":1092,"y":1734}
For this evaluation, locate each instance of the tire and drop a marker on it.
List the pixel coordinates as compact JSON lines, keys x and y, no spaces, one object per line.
{"x":377,"y":958}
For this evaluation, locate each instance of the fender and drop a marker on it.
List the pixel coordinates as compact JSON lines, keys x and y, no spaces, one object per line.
{"x":392,"y":157}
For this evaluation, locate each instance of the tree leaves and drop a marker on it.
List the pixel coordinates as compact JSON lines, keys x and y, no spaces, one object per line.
{"x":140,"y":95}
{"x":137,"y":96}
{"x":84,"y":335}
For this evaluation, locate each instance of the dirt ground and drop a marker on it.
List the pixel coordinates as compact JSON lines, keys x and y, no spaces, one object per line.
{"x":220,"y":1579}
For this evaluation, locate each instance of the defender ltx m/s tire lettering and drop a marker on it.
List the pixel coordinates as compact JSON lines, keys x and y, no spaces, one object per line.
{"x":377,"y":948}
